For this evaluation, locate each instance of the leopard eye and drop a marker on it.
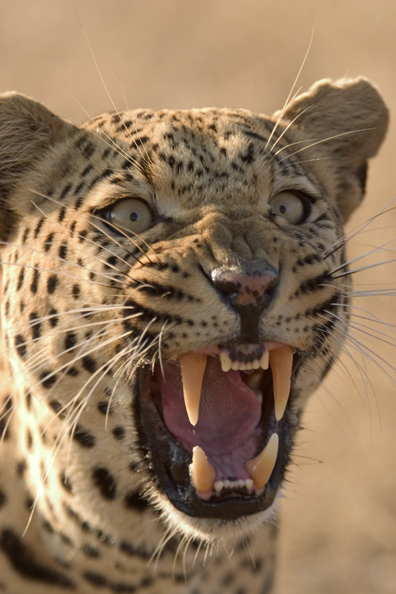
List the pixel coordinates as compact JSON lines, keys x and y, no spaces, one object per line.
{"x":291,"y":207}
{"x":131,"y":215}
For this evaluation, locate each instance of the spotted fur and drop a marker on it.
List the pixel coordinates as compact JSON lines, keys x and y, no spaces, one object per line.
{"x":82,"y":507}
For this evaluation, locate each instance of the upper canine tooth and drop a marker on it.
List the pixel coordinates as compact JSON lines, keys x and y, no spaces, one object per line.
{"x":225,"y":362}
{"x":202,"y":472}
{"x":192,"y":369}
{"x":281,"y":361}
{"x":264,"y":361}
{"x":261,"y":467}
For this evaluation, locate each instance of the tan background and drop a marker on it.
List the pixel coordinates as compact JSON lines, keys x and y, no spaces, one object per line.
{"x":339,"y":517}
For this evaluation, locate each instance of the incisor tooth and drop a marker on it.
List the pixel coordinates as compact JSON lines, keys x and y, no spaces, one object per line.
{"x":261,"y":467}
{"x":225,"y":362}
{"x":218,"y":486}
{"x":201,"y":471}
{"x":264,"y":360}
{"x":249,"y":484}
{"x":192,"y":369}
{"x":281,"y":361}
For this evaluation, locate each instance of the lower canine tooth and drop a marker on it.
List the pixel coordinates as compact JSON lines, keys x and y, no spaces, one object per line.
{"x":201,"y":471}
{"x":281,"y":361}
{"x":261,"y":467}
{"x":192,"y":369}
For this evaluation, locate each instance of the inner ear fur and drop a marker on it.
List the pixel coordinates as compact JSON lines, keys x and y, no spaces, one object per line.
{"x":27,"y":131}
{"x":348,"y":120}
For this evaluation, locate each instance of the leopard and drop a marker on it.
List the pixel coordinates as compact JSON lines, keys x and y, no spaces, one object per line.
{"x":174,"y":287}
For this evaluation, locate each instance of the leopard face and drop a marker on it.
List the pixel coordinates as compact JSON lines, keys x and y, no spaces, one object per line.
{"x":171,"y":301}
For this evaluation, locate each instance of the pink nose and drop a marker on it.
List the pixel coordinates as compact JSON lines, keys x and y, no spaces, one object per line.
{"x":248,"y":284}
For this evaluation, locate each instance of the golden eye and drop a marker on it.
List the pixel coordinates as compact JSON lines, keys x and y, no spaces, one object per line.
{"x":131,"y":215}
{"x":290,"y":207}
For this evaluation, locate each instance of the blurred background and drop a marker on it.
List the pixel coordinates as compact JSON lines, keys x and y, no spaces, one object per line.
{"x":338,"y":521}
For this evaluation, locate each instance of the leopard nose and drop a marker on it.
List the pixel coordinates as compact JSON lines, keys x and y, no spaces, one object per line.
{"x":248,"y":287}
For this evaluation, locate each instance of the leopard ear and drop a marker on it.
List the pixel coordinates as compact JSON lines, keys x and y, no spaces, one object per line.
{"x":346,"y":121}
{"x":27,"y":131}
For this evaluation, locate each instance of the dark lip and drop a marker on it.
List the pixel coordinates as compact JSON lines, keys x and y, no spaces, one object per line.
{"x":168,"y":461}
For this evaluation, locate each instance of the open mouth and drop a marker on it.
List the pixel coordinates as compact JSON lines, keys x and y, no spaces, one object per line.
{"x":214,"y":426}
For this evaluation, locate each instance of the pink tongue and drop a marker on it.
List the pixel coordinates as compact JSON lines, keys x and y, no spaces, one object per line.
{"x":229,"y":411}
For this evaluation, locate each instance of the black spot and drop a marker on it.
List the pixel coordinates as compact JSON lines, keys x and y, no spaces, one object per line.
{"x":104,"y":407}
{"x":29,"y":440}
{"x":25,"y":235}
{"x":76,"y":291}
{"x":53,"y":320}
{"x":40,"y":224}
{"x":65,"y":482}
{"x":105,"y":483}
{"x":112,"y":260}
{"x":83,"y":437}
{"x":28,"y":400}
{"x":36,"y":278}
{"x":119,"y":432}
{"x":134,"y":501}
{"x":56,"y":407}
{"x":82,"y":235}
{"x":48,"y":242}
{"x":65,"y":191}
{"x":89,"y":364}
{"x":29,"y":503}
{"x":62,"y":251}
{"x":21,"y":279}
{"x":21,"y":467}
{"x":70,"y":340}
{"x":23,"y":560}
{"x":99,"y":177}
{"x":90,"y":551}
{"x":61,"y":214}
{"x":96,"y":579}
{"x":85,"y":526}
{"x":133,"y":551}
{"x":72,"y":371}
{"x":88,"y":150}
{"x":87,"y":170}
{"x":76,"y":193}
{"x":48,"y":527}
{"x":51,"y":283}
{"x":228,"y":579}
{"x":20,"y":345}
{"x":65,"y":539}
{"x":48,"y":379}
{"x":36,"y":325}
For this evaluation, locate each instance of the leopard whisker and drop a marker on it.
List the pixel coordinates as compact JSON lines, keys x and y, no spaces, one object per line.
{"x":368,"y":267}
{"x":347,"y":237}
{"x":375,"y":250}
{"x":138,"y":147}
{"x":290,"y":95}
